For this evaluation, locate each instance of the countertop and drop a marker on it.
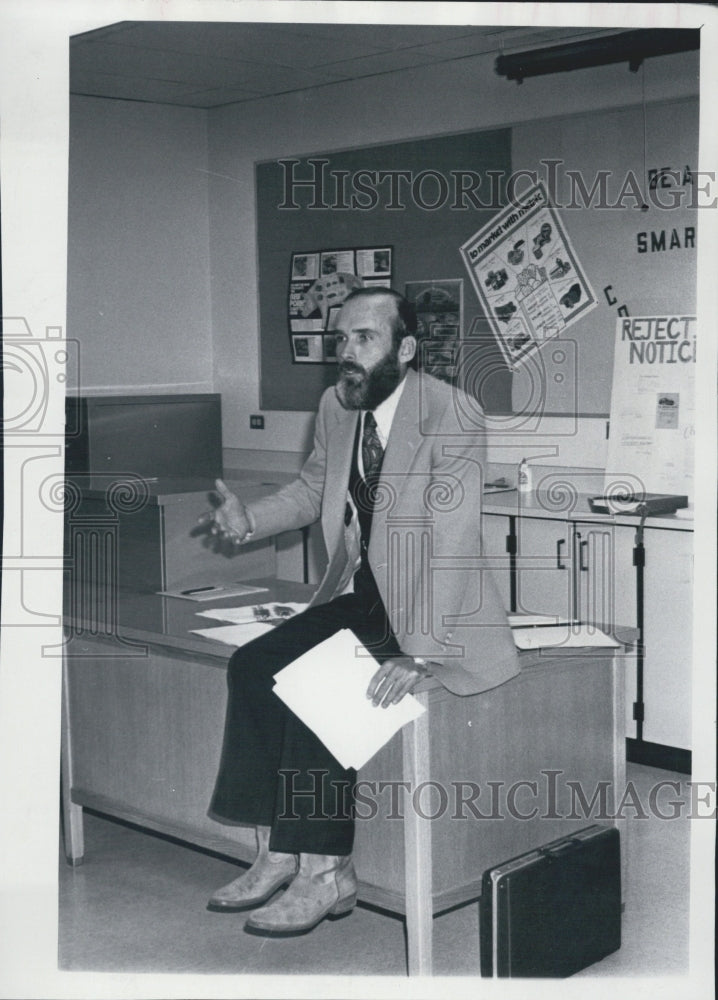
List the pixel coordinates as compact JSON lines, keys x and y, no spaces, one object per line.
{"x":560,"y":503}
{"x":563,"y":504}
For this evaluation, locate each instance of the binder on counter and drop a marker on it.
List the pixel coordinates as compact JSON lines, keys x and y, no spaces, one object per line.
{"x":650,"y":504}
{"x":555,"y":910}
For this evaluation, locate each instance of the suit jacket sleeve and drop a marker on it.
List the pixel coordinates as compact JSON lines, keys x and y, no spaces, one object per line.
{"x":300,"y":502}
{"x":469,"y":617}
{"x":439,"y":591}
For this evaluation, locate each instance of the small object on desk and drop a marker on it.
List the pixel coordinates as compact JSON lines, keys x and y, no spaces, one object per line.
{"x":524,"y":477}
{"x":255,"y":613}
{"x":214,"y":591}
{"x":499,"y":485}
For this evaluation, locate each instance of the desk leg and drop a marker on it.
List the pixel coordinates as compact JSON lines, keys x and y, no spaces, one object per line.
{"x":417,"y":850}
{"x":621,"y":663}
{"x":72,"y":821}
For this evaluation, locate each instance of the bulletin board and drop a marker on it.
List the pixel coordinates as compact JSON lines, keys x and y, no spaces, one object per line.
{"x":623,"y":181}
{"x":425,"y":240}
{"x":638,"y":250}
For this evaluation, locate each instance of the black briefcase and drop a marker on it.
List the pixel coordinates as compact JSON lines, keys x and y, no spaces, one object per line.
{"x":555,"y":910}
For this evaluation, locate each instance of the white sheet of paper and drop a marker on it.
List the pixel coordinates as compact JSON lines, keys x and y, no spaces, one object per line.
{"x":234,"y":635}
{"x":568,"y":637}
{"x":326,"y":688}
{"x":248,"y":613}
{"x":525,"y":621}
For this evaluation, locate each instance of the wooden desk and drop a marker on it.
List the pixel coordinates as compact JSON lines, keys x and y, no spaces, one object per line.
{"x":143,"y":714}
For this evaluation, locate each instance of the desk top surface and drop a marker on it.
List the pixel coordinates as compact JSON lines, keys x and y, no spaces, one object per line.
{"x":135,"y":621}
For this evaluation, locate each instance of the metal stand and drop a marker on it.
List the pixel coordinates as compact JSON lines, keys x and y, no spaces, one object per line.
{"x":638,"y":750}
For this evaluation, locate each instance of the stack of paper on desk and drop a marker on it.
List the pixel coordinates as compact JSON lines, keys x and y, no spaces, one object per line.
{"x":573,"y":635}
{"x":326,"y":688}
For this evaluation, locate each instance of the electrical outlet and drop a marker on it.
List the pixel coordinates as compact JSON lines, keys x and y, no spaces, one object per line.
{"x":256,"y":421}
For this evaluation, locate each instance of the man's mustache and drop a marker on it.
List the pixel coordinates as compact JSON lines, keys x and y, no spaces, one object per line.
{"x":348,"y":368}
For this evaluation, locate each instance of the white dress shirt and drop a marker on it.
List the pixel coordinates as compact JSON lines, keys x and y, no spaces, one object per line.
{"x":384,"y":416}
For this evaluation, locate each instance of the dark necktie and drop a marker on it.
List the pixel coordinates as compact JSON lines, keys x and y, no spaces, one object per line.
{"x":372,"y":452}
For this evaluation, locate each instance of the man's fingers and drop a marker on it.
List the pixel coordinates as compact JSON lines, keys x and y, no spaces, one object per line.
{"x":222,"y":489}
{"x":378,"y":677}
{"x":387,"y":687}
{"x":225,"y":495}
{"x":404,"y":688}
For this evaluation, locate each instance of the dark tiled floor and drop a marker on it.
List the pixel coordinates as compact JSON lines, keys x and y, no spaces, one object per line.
{"x":137,"y":904}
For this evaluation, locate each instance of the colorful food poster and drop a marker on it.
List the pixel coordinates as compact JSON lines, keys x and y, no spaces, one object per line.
{"x":652,"y":429}
{"x":527,"y":276}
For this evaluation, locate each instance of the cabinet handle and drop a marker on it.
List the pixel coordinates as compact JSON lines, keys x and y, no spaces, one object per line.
{"x":583,"y":547}
{"x":559,"y":543}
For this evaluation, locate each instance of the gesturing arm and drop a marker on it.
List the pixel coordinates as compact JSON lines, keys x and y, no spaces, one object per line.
{"x":294,"y":506}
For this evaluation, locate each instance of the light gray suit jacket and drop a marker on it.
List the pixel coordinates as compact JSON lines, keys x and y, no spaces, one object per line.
{"x":425,"y":547}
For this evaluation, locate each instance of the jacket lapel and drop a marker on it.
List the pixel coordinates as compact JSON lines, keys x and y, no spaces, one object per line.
{"x":405,"y":435}
{"x":339,"y":458}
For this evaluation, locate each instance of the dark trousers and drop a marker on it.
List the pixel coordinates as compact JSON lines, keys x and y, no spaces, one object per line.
{"x":274,"y":771}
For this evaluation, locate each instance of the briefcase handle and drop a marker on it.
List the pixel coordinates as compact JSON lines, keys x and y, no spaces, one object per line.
{"x":569,"y":844}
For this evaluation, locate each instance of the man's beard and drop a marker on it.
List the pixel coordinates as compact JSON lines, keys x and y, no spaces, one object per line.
{"x":359,"y":389}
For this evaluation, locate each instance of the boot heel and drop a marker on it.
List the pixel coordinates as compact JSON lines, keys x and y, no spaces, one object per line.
{"x":343,"y":906}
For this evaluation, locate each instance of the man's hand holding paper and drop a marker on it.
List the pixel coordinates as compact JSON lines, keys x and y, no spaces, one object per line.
{"x":395,"y":678}
{"x":327,"y":689}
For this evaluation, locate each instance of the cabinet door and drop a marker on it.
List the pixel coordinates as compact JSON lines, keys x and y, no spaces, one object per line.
{"x":544,"y":563}
{"x":606,"y":589}
{"x":605,"y":574}
{"x":668,"y":610}
{"x":495,"y":530}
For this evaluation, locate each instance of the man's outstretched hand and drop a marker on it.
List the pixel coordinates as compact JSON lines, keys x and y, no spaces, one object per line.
{"x":394,"y":678}
{"x":228,"y":522}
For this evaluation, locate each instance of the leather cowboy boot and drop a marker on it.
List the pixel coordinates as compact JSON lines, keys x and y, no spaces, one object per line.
{"x":326,"y":886}
{"x":271,"y":869}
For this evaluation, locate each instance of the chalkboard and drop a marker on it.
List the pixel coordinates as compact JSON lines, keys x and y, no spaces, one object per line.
{"x":413,"y":196}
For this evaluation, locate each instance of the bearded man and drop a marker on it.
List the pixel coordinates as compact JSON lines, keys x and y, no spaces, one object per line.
{"x":395,"y":475}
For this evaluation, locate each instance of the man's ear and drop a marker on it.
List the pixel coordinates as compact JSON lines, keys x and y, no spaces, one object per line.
{"x":407,"y":349}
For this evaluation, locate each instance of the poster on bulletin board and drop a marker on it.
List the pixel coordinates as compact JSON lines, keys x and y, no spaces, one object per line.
{"x":319,"y":281}
{"x":652,"y":429}
{"x":527,"y":275}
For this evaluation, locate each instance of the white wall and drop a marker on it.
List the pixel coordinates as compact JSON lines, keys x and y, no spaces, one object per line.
{"x":138,"y":247}
{"x":456,"y":96}
{"x":162,"y":273}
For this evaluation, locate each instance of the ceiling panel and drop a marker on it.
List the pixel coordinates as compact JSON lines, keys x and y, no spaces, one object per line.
{"x":209,"y":64}
{"x":126,"y":88}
